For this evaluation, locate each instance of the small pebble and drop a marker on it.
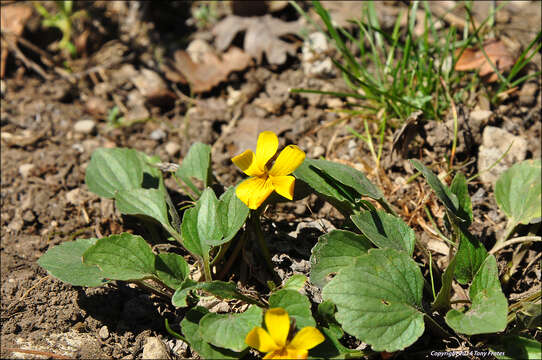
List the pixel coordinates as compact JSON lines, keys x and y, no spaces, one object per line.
{"x":154,"y":348}
{"x":26,"y":169}
{"x":29,"y":216}
{"x":85,"y":126}
{"x":158,"y":134}
{"x":104,"y":332}
{"x":527,"y":94}
{"x":480,"y":116}
{"x":172,"y":148}
{"x":318,"y":151}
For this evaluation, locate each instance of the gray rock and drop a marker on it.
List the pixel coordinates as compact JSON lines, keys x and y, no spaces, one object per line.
{"x":26,"y":169}
{"x":154,"y":348}
{"x":85,"y":126}
{"x":495,"y":142}
{"x":528,"y":93}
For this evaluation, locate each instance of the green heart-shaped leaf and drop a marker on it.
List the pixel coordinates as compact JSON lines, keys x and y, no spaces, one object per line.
{"x":335,"y":251}
{"x":200,"y":227}
{"x":469,"y":257}
{"x":348,"y":176}
{"x":379,"y":298}
{"x":516,"y":347}
{"x":385,"y":230}
{"x":232,"y":214}
{"x":65,"y":262}
{"x":296,"y":304}
{"x":230,"y":330}
{"x":111,"y":170}
{"x":325,"y":186}
{"x":209,"y":230}
{"x":442,"y":191}
{"x":460,"y":189}
{"x":442,"y":301}
{"x":196,"y":164}
{"x":191,"y":330}
{"x":489,"y":306}
{"x":171,"y":269}
{"x":146,"y":202}
{"x":121,"y":257}
{"x":518,"y":192}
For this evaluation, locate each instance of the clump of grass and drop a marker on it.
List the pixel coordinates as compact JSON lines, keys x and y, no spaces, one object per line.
{"x":398,"y":73}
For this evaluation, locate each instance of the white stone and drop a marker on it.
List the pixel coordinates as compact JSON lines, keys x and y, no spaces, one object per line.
{"x":154,"y":348}
{"x":84,"y":126}
{"x":26,"y":169}
{"x":479,"y":115}
{"x":172,"y":148}
{"x":158,"y":134}
{"x":104,"y":332}
{"x":314,"y":62}
{"x":198,"y":50}
{"x":318,"y":151}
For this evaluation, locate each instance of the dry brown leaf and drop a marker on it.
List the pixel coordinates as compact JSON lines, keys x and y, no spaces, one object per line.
{"x":13,"y":18}
{"x":474,"y":59}
{"x":262,"y":36}
{"x":210,"y":72}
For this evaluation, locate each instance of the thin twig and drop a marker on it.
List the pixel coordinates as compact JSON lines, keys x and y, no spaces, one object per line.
{"x":27,"y":292}
{"x":27,"y":62}
{"x":39,"y":352}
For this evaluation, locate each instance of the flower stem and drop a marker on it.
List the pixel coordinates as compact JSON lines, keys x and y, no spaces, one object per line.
{"x":256,"y":226}
{"x":207,"y":268}
{"x":240,"y":243}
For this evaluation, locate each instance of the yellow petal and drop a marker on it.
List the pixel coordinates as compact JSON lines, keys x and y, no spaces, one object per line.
{"x":259,"y":339}
{"x":253,"y":191}
{"x":306,"y":339}
{"x":277,"y":322}
{"x":284,"y":185}
{"x":245,"y":162}
{"x":288,"y":160}
{"x":297,"y":354}
{"x":267,"y":146}
{"x":287,"y":354}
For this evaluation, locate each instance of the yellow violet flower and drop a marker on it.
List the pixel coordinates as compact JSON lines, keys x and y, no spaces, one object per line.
{"x":262,"y":182}
{"x":275,"y":342}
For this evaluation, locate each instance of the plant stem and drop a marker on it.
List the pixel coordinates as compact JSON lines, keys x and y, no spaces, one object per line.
{"x":436,"y":326}
{"x":517,"y":240}
{"x":152,"y":289}
{"x":233,"y":256}
{"x":255,"y":223}
{"x":207,"y":268}
{"x":223,"y":249}
{"x":508,"y":231}
{"x":431,"y":275}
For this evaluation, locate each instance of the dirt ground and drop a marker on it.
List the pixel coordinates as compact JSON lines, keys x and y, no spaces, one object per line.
{"x":50,"y":128}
